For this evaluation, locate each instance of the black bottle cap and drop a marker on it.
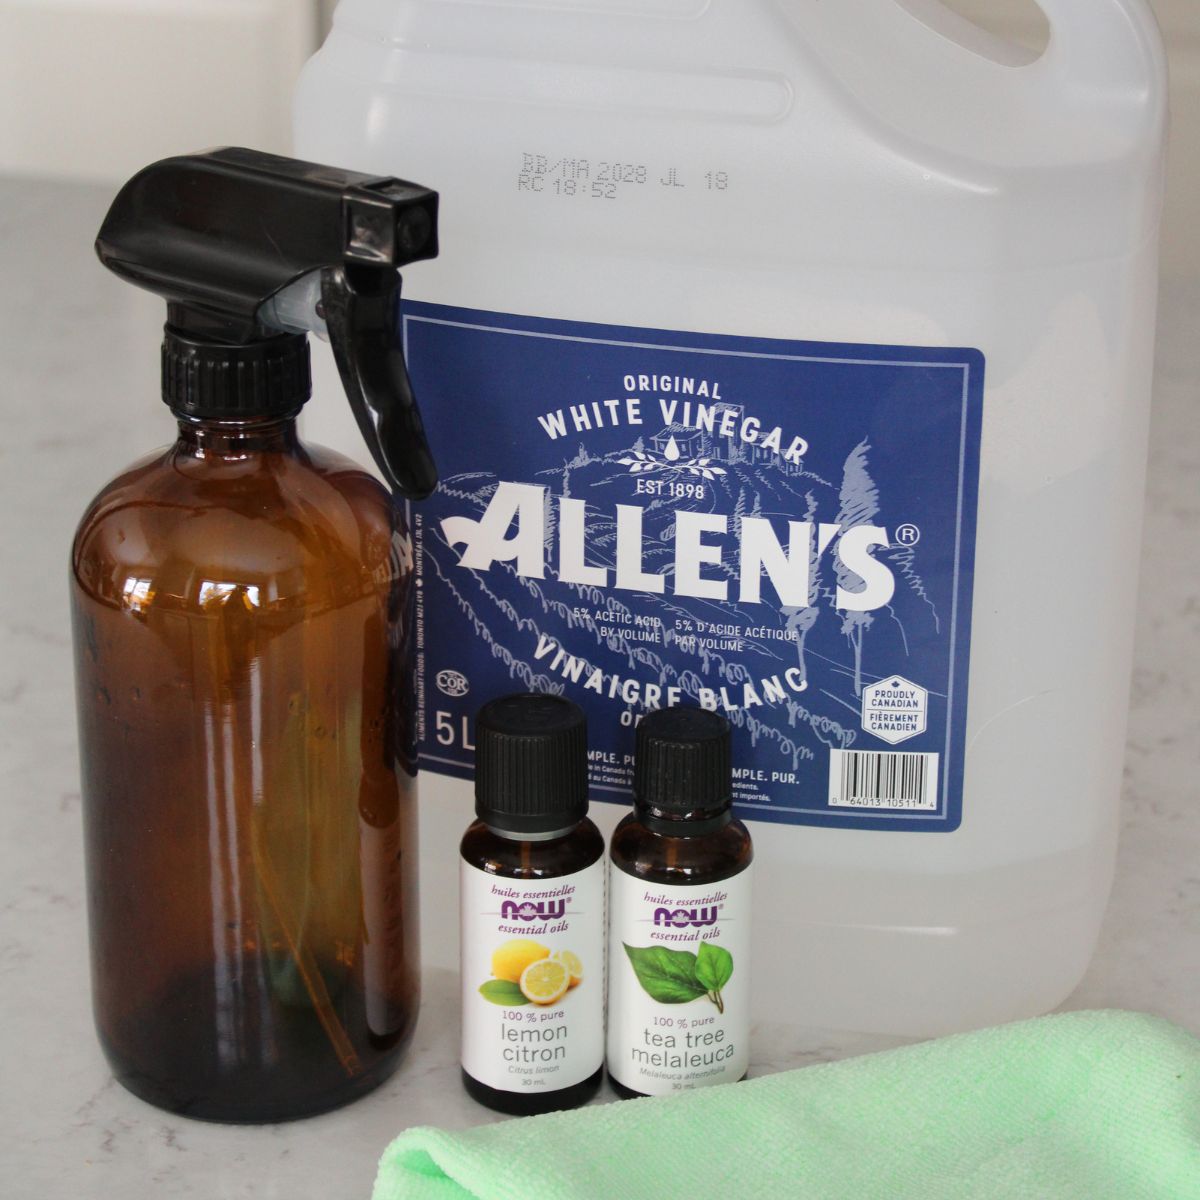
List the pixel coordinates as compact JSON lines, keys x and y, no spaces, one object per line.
{"x":683,"y":766}
{"x":531,"y":771}
{"x":214,"y":381}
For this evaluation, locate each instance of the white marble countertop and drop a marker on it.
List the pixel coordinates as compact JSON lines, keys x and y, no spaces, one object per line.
{"x":79,"y":367}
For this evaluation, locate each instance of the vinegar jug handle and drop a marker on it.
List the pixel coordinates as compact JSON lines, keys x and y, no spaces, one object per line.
{"x":1104,"y":51}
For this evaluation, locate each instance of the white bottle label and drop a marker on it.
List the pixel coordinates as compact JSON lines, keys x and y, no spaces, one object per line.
{"x":679,"y":983}
{"x":532,"y":979}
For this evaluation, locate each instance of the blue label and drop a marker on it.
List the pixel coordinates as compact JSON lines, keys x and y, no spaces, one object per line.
{"x":783,"y":532}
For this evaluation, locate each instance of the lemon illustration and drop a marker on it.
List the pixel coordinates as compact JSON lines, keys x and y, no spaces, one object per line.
{"x":571,"y":961}
{"x":545,"y":981}
{"x":510,"y":960}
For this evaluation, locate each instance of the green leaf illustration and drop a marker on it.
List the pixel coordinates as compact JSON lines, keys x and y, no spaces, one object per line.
{"x":714,"y":966}
{"x":668,"y":976}
{"x":500,"y":991}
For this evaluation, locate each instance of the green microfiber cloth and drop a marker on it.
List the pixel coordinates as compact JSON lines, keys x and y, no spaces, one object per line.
{"x":1099,"y":1106}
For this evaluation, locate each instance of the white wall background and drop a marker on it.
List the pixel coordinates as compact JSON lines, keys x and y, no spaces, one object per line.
{"x":93,"y":89}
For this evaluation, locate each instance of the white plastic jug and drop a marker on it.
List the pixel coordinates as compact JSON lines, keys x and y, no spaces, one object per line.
{"x":769,"y":182}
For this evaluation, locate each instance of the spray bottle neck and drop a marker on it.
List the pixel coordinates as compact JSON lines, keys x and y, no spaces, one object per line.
{"x":220,"y":439}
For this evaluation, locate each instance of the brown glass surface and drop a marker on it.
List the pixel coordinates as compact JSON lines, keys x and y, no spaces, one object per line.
{"x":240,"y":607}
{"x":663,"y":858}
{"x":511,"y":859}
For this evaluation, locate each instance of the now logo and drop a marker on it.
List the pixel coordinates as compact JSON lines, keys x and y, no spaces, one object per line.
{"x":543,"y":910}
{"x":679,"y":918}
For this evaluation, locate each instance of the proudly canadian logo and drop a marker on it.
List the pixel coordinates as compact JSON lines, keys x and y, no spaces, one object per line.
{"x":895,"y":709}
{"x":528,"y":910}
{"x":681,"y":918}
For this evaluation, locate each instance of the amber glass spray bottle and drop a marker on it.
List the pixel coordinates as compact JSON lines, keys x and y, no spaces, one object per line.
{"x":241,"y":611}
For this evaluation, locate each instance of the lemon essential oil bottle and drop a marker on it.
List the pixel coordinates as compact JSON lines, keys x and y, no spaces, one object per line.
{"x":532,"y":912}
{"x":679,"y":933}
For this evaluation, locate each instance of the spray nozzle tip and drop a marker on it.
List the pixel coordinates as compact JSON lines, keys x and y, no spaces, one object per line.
{"x":390,"y":223}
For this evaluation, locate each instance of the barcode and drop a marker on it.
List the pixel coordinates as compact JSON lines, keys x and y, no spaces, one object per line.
{"x":875,"y":779}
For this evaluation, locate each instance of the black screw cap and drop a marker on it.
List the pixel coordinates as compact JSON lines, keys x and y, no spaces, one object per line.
{"x":531,"y":770}
{"x":217,"y":381}
{"x":683,"y":765}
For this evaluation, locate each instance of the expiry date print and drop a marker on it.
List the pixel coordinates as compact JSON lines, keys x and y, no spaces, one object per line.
{"x":608,"y":179}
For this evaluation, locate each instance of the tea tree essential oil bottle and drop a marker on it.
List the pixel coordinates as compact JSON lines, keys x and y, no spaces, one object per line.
{"x":532,"y":911}
{"x":679,"y":933}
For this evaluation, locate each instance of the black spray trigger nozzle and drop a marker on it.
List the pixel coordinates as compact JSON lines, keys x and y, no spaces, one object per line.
{"x":361,"y":311}
{"x":246,"y":246}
